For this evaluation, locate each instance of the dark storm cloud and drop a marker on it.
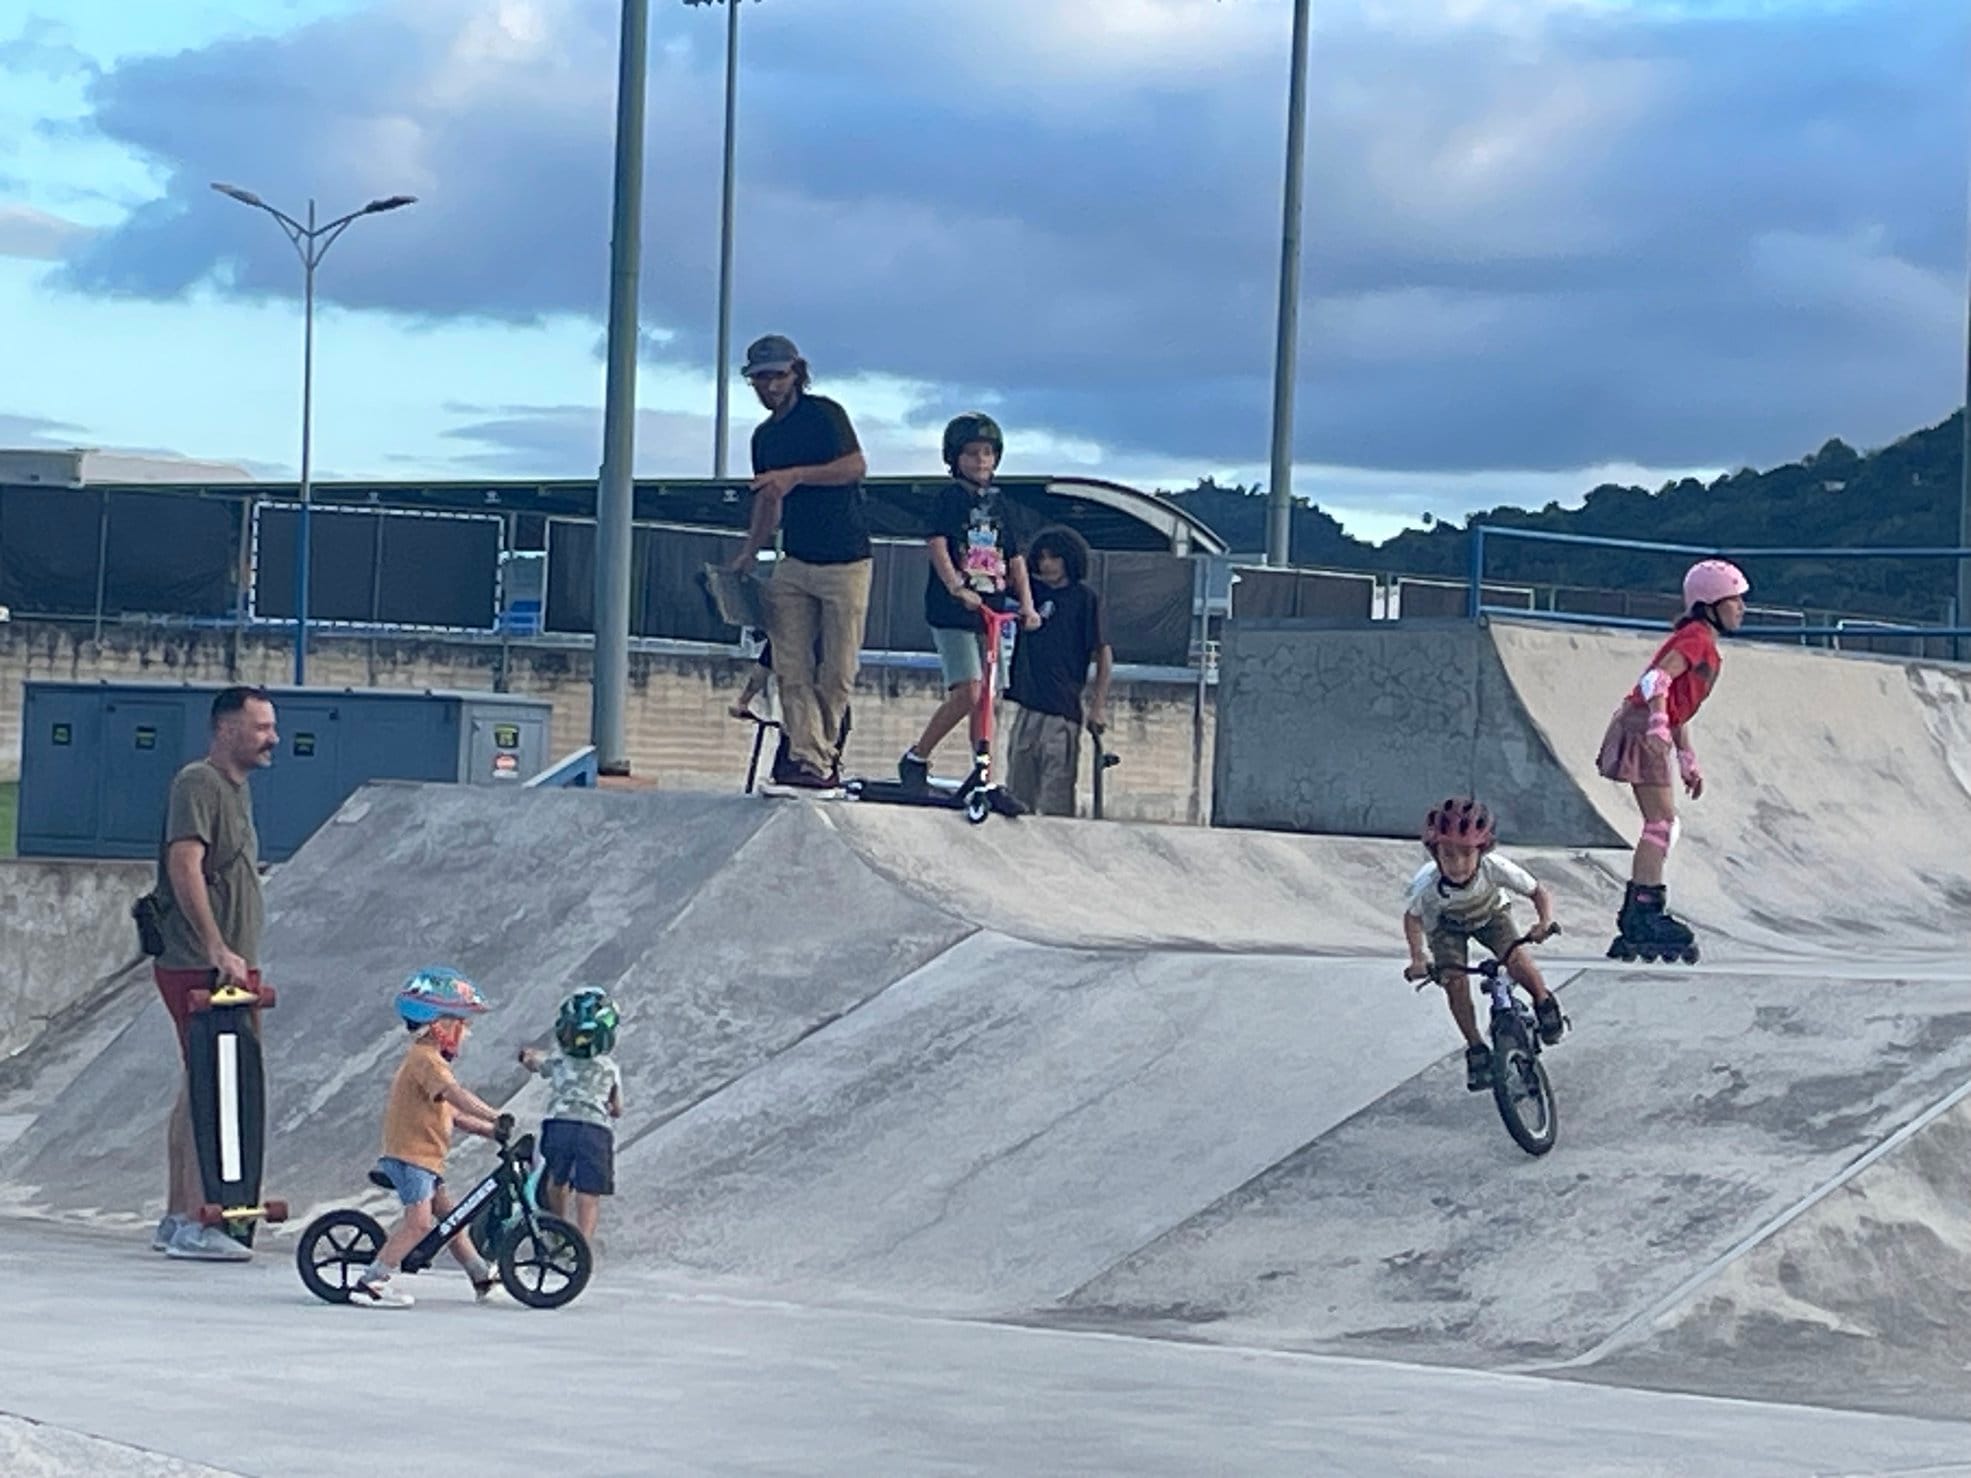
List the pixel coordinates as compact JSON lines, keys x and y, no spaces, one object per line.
{"x":1674,"y":242}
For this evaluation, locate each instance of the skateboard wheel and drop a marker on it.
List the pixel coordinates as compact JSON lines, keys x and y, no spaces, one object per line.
{"x":275,"y":1211}
{"x":266,"y":995}
{"x":210,"y":1215}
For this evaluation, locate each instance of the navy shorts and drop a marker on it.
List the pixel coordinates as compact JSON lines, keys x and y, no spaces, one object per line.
{"x":580,"y":1155}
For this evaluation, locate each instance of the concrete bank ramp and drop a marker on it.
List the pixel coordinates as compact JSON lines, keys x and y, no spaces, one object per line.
{"x":1838,"y":787}
{"x":845,"y":1018}
{"x":1694,"y":1110}
{"x":1859,"y":1296}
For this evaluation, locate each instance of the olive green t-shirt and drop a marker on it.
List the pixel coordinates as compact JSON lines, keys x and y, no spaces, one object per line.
{"x":206,"y":805}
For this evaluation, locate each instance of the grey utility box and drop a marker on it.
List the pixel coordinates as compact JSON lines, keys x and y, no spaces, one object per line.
{"x":97,"y":758}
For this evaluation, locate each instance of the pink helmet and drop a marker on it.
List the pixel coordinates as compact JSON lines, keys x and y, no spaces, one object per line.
{"x":1711,"y":580}
{"x":1465,"y":823}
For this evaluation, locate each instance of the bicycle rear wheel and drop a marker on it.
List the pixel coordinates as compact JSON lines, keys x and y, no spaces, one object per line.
{"x":1520,"y":1088}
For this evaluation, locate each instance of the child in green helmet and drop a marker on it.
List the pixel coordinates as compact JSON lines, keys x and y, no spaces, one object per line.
{"x":585,"y":1090}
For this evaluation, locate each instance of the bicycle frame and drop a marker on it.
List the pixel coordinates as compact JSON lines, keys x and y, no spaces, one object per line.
{"x":505,"y":1175}
{"x":1497,"y":982}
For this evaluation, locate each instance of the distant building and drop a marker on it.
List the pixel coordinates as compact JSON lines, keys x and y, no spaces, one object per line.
{"x":76,"y":467}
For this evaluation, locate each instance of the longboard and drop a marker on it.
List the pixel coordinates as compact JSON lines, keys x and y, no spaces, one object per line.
{"x":229,"y":1106}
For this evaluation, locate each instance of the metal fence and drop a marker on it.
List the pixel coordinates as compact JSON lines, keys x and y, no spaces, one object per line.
{"x":1842,"y":630}
{"x":225,"y":556}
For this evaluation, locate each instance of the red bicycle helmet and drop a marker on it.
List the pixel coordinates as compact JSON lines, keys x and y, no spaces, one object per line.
{"x":1464,"y":823}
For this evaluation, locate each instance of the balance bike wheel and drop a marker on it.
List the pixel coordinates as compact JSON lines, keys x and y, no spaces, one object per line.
{"x":334,"y":1250}
{"x":546,"y":1265}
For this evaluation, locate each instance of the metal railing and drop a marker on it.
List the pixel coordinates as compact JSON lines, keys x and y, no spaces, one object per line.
{"x":1476,"y":606}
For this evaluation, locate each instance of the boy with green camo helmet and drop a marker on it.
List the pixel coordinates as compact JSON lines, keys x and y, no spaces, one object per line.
{"x":578,"y":1144}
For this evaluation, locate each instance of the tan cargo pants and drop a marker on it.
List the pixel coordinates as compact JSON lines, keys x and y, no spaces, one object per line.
{"x":804,"y":602}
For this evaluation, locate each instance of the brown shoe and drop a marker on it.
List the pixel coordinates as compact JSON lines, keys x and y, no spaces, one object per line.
{"x":804,"y":776}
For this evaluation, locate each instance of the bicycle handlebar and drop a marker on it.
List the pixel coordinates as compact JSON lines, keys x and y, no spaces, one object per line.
{"x":1434,"y":974}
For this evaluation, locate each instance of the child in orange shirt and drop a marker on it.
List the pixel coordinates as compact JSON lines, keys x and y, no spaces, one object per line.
{"x":426,"y":1104}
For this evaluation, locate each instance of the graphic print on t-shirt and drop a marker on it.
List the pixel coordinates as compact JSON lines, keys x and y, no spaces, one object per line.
{"x":984,"y":567}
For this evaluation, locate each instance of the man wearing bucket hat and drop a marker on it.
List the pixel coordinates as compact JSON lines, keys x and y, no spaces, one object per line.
{"x":807,"y":482}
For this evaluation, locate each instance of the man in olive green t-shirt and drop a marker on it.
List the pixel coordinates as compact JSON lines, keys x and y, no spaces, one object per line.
{"x":208,"y":886}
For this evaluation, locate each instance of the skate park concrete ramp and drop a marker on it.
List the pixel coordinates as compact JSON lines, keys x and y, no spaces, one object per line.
{"x":1157,"y":1080}
{"x":1838,"y":787}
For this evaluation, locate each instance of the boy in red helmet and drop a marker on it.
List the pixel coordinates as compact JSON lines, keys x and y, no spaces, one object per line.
{"x":1461,"y":895}
{"x":1647,"y":747}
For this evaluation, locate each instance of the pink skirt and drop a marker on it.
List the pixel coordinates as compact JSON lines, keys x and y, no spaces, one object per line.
{"x":1628,"y":755}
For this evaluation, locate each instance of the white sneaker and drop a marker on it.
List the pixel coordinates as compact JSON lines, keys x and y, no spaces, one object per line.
{"x":197,"y":1243}
{"x":166,"y":1230}
{"x":376,"y":1293}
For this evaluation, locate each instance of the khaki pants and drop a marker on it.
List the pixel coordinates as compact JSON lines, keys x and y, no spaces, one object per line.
{"x":805,"y":601}
{"x":1043,"y":761}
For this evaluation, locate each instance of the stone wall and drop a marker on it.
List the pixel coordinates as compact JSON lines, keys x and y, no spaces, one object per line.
{"x":679,"y":732}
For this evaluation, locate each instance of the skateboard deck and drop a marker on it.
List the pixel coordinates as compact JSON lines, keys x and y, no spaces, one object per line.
{"x":227,"y":1089}
{"x":735,"y":597}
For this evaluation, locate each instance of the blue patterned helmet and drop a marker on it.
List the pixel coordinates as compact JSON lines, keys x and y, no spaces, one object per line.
{"x":438,"y":991}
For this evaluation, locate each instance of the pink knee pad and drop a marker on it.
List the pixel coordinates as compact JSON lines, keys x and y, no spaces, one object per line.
{"x":1660,"y":834}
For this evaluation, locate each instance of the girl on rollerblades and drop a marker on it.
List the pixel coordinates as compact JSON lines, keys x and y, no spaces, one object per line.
{"x":1647,"y":747}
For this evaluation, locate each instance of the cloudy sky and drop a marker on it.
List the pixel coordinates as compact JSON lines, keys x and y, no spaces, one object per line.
{"x":1548,"y":242}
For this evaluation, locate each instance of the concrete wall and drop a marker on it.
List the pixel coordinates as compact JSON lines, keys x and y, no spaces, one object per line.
{"x":1356,"y":731}
{"x":64,"y":930}
{"x":679,"y":732}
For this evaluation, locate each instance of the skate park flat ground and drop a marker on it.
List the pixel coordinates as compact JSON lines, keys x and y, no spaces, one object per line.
{"x":636,"y":1380}
{"x":1070,"y":1146}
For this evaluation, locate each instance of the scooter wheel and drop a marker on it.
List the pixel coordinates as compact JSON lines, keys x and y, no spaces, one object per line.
{"x":978,"y":806}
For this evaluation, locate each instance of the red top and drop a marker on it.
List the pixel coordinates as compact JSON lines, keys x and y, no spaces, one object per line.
{"x":1695,"y":642}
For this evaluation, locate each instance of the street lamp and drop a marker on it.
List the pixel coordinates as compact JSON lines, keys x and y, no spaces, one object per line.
{"x":311,"y":244}
{"x":722,"y":370}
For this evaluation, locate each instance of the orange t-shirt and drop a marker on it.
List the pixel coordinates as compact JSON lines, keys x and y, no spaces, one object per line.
{"x":417,"y":1126}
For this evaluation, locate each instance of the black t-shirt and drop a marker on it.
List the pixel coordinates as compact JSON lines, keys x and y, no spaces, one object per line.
{"x":982,"y":532}
{"x":823,"y":526}
{"x":1050,"y":665}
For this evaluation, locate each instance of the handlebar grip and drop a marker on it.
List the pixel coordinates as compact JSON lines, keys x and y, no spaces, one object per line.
{"x":503,"y":1128}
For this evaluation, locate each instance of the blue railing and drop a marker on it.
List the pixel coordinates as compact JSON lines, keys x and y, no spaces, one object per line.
{"x":1475,"y":605}
{"x":577,"y":771}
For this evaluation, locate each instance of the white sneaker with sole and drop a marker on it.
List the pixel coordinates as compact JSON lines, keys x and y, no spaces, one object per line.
{"x":376,"y":1293}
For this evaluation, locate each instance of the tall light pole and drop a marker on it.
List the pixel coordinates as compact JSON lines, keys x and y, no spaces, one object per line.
{"x":615,"y":499}
{"x":1279,"y":523}
{"x":1960,"y":646}
{"x":722,"y":368}
{"x":311,"y":243}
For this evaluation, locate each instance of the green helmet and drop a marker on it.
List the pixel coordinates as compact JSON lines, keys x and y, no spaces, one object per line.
{"x":586,"y":1024}
{"x":968,"y":428}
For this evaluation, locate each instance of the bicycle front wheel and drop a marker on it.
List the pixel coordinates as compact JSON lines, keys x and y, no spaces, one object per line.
{"x":1521,"y":1090}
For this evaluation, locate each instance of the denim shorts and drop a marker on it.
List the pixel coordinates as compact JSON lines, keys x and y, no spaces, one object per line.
{"x":413,"y":1183}
{"x":958,"y":655}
